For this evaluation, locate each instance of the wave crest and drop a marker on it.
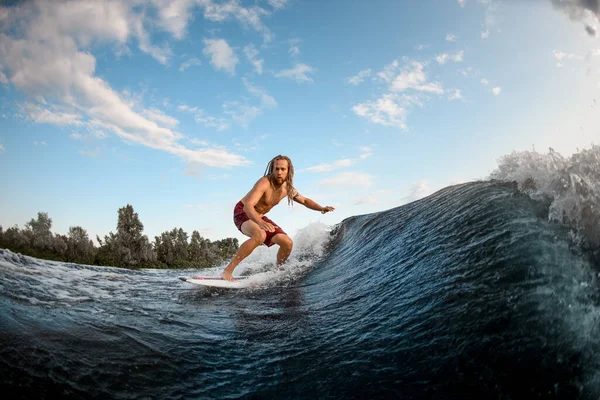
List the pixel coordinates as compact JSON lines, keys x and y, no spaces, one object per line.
{"x":571,"y":187}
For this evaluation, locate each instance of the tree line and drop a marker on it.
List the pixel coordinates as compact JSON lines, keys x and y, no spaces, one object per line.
{"x":128,"y":247}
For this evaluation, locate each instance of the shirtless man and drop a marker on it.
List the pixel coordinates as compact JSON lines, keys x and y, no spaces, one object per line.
{"x":249,"y":213}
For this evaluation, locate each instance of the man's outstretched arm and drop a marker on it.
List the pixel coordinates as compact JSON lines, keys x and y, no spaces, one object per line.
{"x":313,"y":205}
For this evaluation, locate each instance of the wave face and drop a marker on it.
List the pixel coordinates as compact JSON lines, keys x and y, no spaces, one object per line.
{"x":474,"y":290}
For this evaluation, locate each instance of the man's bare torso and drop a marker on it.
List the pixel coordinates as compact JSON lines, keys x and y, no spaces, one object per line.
{"x":272,"y":196}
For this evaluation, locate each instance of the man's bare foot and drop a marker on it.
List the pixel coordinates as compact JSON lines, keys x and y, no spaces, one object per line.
{"x":228,"y":276}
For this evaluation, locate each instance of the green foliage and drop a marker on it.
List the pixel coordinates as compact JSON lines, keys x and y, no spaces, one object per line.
{"x":79,"y":246}
{"x":38,"y":232}
{"x":173,"y":249}
{"x":129,"y":247}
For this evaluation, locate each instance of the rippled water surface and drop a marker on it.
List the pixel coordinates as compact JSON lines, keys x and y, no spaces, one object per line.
{"x":471,"y":291}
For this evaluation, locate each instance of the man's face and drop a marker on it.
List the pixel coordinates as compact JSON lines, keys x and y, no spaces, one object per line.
{"x":280,"y":171}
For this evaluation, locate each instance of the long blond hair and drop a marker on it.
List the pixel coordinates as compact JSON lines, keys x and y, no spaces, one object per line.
{"x":289,"y":181}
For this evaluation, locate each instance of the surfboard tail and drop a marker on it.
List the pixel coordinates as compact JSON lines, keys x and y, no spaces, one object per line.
{"x":217,"y":278}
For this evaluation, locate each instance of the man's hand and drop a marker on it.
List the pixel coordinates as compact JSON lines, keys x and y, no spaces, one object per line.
{"x":265,"y":226}
{"x":327,"y":209}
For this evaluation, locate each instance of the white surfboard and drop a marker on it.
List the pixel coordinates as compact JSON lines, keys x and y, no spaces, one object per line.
{"x":217,"y":281}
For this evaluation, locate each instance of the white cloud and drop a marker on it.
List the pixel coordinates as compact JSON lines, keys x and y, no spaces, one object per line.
{"x":3,"y":78}
{"x":92,"y":131}
{"x":242,"y":113}
{"x":47,"y":60}
{"x":156,"y":115}
{"x":189,"y":63}
{"x":343,"y":163}
{"x":444,"y":57}
{"x":83,"y":21}
{"x":251,"y":145}
{"x":266,"y":100}
{"x":384,"y":111}
{"x":413,"y":77}
{"x":220,"y":54}
{"x":209,"y":157}
{"x":458,"y":56}
{"x":561,"y":55}
{"x":298,"y":73}
{"x":418,"y":191}
{"x":490,"y":17}
{"x":408,"y":86}
{"x":278,"y":4}
{"x":450,"y":37}
{"x":484,"y":82}
{"x":467,"y":71}
{"x":212,"y":122}
{"x":348,"y":179}
{"x":174,"y":15}
{"x":366,"y":152}
{"x":236,"y":111}
{"x":247,"y":16}
{"x":462,"y":2}
{"x":360,"y":77}
{"x":90,"y":21}
{"x":159,"y":54}
{"x":389,"y":71}
{"x":2,"y":147}
{"x":199,"y":142}
{"x":294,"y":49}
{"x":496,"y":91}
{"x":185,"y":107}
{"x":201,"y":117}
{"x":36,"y":143}
{"x":42,"y":115}
{"x":455,"y":94}
{"x":251,"y":52}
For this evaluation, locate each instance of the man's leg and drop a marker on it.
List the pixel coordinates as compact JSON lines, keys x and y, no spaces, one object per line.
{"x":257,"y":237}
{"x":285,"y":247}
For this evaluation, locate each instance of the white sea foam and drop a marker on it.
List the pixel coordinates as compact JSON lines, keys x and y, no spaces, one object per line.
{"x":60,"y":283}
{"x":261,"y":266}
{"x":571,"y":186}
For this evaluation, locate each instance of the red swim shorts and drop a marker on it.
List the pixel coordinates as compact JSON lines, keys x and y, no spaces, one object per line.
{"x":239,"y":217}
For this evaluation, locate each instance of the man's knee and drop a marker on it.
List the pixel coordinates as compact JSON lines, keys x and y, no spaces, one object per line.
{"x":259,"y":237}
{"x":286,"y":243}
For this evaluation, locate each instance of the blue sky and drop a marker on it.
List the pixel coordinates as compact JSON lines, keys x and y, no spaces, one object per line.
{"x":176,"y":106}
